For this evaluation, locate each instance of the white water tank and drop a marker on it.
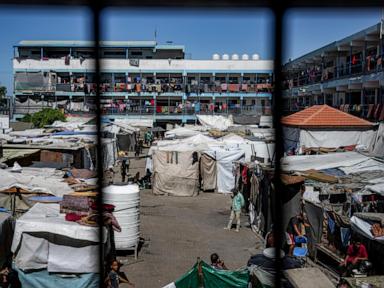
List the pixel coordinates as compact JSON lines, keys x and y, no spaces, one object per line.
{"x":215,"y":56}
{"x":255,"y":57}
{"x":235,"y":57}
{"x":245,"y":57}
{"x":225,"y":57}
{"x":126,"y":199}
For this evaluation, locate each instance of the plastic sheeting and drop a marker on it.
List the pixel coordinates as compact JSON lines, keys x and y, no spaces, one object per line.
{"x":377,"y":148}
{"x":215,"y":122}
{"x":33,"y":181}
{"x":320,"y":162}
{"x":46,"y":218}
{"x":364,"y":228}
{"x":224,"y":163}
{"x":377,"y":188}
{"x":291,"y":138}
{"x":335,"y":139}
{"x":45,"y":279}
{"x":212,"y":278}
{"x":145,"y":123}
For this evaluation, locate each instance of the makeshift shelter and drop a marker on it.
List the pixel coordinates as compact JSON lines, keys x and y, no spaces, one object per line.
{"x":215,"y":122}
{"x":225,"y":159}
{"x":176,"y":172}
{"x":203,"y":275}
{"x":208,"y":172}
{"x":45,"y":243}
{"x":322,"y":126}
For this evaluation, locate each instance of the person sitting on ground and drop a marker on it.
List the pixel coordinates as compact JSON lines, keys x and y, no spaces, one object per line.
{"x":237,"y":203}
{"x":356,"y":253}
{"x":115,"y":277}
{"x":217,"y":263}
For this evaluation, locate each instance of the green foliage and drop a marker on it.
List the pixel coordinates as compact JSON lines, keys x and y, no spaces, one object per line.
{"x":27,"y":118}
{"x":44,"y":117}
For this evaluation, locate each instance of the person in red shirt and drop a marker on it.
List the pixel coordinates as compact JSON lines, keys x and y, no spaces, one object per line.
{"x":356,"y":253}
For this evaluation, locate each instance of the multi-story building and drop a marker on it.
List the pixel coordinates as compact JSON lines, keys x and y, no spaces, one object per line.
{"x":138,"y":79}
{"x":347,"y":74}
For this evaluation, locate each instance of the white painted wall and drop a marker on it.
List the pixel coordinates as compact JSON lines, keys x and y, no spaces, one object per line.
{"x":146,"y":64}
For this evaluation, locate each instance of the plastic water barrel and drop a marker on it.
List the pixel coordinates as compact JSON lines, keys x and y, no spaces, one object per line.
{"x":126,"y":199}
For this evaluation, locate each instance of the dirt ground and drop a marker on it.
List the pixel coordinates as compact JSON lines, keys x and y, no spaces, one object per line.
{"x":177,"y":230}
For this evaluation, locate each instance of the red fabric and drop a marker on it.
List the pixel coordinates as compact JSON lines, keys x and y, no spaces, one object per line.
{"x":362,"y":253}
{"x":152,"y":102}
{"x":158,"y":109}
{"x":244,"y":174}
{"x":73,"y":217}
{"x":354,"y":60}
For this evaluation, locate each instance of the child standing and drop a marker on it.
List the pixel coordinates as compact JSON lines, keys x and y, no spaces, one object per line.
{"x":114,"y":276}
{"x":237,"y":203}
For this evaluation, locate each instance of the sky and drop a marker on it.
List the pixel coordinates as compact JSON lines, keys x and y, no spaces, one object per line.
{"x":203,"y":33}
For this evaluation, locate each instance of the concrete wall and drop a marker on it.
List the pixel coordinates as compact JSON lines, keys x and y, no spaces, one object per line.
{"x":147,"y":65}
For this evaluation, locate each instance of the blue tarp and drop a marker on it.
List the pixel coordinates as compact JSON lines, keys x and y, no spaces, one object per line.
{"x":43,"y":279}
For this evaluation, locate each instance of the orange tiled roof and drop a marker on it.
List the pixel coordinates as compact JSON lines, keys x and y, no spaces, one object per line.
{"x":324,"y":116}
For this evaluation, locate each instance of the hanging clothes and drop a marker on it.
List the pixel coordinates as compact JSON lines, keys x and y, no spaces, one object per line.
{"x":244,"y":174}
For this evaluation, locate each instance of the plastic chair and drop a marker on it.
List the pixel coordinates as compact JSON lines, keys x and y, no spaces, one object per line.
{"x":301,"y":252}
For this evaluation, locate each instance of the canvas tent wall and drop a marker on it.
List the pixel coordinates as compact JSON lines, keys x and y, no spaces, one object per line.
{"x":175,"y":172}
{"x":224,"y":163}
{"x":377,"y":148}
{"x":54,"y":245}
{"x":208,"y":172}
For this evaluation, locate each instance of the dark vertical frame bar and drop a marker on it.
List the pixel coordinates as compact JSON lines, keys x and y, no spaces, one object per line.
{"x":277,"y":207}
{"x":96,"y":10}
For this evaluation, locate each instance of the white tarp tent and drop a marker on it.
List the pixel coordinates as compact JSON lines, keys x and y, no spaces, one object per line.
{"x":215,"y":122}
{"x":144,"y":123}
{"x":364,"y":228}
{"x":377,"y":148}
{"x":335,"y":139}
{"x":43,"y":239}
{"x":224,"y":163}
{"x":319,"y":162}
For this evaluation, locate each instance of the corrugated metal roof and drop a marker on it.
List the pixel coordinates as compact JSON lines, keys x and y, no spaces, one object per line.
{"x":9,"y":154}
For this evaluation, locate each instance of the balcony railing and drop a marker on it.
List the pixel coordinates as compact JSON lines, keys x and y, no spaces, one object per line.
{"x":335,"y":72}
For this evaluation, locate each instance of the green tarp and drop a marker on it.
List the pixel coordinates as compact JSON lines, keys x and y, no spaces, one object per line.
{"x":213,"y":278}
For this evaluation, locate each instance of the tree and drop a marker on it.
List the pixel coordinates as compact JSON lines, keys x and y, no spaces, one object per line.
{"x":3,"y":92}
{"x":44,"y":117}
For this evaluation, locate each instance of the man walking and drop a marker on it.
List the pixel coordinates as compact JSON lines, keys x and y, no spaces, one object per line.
{"x":237,"y":203}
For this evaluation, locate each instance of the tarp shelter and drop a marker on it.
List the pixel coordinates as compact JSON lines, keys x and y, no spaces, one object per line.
{"x":377,"y":148}
{"x":211,"y":278}
{"x":176,"y":172}
{"x":183,"y":132}
{"x":224,"y":164}
{"x":35,"y":180}
{"x":44,"y":240}
{"x":215,"y":122}
{"x":361,"y":224}
{"x":208,"y":172}
{"x":327,"y":127}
